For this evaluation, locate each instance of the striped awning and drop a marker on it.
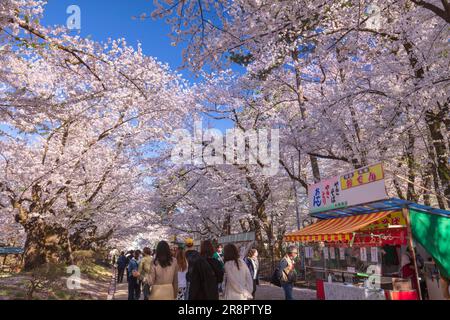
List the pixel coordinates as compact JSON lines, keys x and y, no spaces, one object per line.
{"x":338,"y":229}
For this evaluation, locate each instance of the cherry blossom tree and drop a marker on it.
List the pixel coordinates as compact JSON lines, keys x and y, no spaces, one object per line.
{"x":81,"y":121}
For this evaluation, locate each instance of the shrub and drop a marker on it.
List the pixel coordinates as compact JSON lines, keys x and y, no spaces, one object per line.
{"x":43,"y":278}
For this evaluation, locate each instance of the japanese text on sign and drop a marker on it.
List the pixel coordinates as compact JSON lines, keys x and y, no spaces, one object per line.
{"x":362,"y":176}
{"x":360,"y":186}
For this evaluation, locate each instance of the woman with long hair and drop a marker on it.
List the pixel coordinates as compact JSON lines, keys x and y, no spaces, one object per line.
{"x":238,"y":280}
{"x":206,"y":275}
{"x":163,"y":276}
{"x":182,"y":270}
{"x":253,"y":266}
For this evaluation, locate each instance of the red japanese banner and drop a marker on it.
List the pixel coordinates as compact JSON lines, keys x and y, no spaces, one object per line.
{"x":376,"y":238}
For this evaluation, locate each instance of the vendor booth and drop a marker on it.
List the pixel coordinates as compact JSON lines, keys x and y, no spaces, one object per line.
{"x":362,"y":246}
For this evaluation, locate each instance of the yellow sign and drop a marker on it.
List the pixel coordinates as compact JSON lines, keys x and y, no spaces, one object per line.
{"x":349,"y":189}
{"x":362,"y":176}
{"x":395,"y":218}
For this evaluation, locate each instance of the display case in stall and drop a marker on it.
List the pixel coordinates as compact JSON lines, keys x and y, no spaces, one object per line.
{"x":349,"y":270}
{"x":359,"y":264}
{"x":354,"y":258}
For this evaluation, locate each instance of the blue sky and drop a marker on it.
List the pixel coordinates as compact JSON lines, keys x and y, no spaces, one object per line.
{"x":103,"y":19}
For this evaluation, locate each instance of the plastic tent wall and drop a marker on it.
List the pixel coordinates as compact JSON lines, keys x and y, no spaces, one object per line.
{"x":433,"y":233}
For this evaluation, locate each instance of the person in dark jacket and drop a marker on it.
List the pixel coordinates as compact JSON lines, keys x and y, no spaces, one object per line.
{"x":253,"y":265}
{"x":191,"y":256}
{"x":129,"y":256}
{"x":206,"y":275}
{"x":134,"y":291}
{"x":121,"y":265}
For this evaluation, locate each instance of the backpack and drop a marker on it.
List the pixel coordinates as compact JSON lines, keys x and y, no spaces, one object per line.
{"x":191,"y":257}
{"x":276,"y":277}
{"x":217,"y":268}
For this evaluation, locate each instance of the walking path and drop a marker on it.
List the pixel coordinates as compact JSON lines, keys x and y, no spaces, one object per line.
{"x":113,"y":284}
{"x":122,"y":291}
{"x":265,"y":291}
{"x":119,"y":291}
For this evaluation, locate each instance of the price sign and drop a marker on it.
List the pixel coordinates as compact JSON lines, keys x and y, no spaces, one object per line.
{"x":374,"y":254}
{"x":332,"y":253}
{"x":342,"y":253}
{"x":363,"y":254}
{"x":325,"y":253}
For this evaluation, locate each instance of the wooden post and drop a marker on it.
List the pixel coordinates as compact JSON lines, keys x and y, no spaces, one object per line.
{"x":304,"y":261}
{"x":405,"y":212}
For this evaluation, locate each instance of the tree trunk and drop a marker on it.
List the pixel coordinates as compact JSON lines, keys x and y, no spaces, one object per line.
{"x":397,"y":186}
{"x":445,"y":112}
{"x":432,"y":170}
{"x":411,"y":193}
{"x":226,"y":228}
{"x":87,"y":239}
{"x":301,"y":102}
{"x":45,"y":243}
{"x":426,"y":177}
{"x":434,"y":121}
{"x":443,"y":169}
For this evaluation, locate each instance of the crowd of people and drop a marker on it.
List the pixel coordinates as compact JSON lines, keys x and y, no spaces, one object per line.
{"x":183,"y":273}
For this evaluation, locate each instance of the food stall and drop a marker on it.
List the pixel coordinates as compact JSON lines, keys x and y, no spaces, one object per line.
{"x":362,"y":244}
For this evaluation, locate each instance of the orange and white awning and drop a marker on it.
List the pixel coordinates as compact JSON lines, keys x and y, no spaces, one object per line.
{"x":338,"y":229}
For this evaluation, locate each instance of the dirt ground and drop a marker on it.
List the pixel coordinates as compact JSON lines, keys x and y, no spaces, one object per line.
{"x":94,"y":284}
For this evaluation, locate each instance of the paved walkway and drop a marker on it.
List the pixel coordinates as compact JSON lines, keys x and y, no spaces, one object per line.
{"x":265,"y":291}
{"x":122,"y":291}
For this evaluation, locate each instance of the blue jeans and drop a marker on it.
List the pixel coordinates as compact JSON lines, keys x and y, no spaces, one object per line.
{"x":132,"y":288}
{"x":186,"y":294}
{"x":288,"y":287}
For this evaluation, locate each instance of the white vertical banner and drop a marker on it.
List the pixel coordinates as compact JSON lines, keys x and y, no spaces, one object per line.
{"x":325,"y":253}
{"x":332,"y":253}
{"x":363,"y":253}
{"x":307,"y":253}
{"x":374,"y":254}
{"x":342,"y":253}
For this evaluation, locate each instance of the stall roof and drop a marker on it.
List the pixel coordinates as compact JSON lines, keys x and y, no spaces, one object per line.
{"x":335,"y":229}
{"x":377,"y":206}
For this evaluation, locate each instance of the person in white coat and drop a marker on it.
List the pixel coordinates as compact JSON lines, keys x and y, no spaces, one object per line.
{"x":238,"y":280}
